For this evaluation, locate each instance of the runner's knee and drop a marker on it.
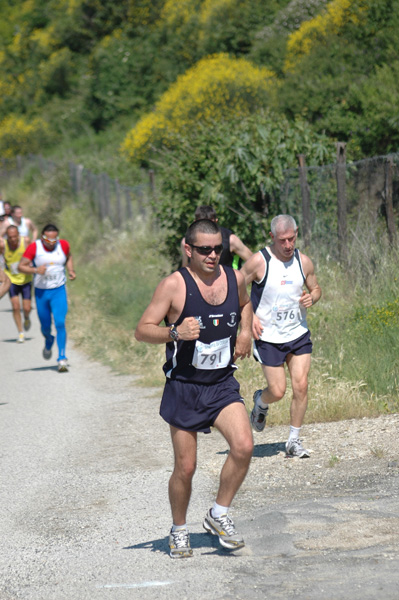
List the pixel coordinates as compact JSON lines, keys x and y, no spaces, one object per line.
{"x":185,"y":469}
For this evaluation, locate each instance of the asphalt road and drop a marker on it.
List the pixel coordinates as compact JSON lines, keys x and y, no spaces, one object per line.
{"x":85,"y":462}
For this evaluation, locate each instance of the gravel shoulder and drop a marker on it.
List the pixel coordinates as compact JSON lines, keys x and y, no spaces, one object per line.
{"x":84,"y":514}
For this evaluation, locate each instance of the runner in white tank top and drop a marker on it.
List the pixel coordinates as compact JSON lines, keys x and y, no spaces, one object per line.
{"x":276,"y":299}
{"x":278,"y":275}
{"x":26,"y":228}
{"x":47,"y":260}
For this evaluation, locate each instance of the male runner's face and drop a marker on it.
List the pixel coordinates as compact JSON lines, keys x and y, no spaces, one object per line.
{"x":284,"y":244}
{"x":205,"y":263}
{"x":49,"y":239}
{"x":18,"y":214}
{"x":13,"y":238}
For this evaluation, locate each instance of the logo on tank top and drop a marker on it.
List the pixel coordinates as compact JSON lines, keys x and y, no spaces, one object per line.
{"x":199,"y":319}
{"x":233,"y":319}
{"x":286,"y":282}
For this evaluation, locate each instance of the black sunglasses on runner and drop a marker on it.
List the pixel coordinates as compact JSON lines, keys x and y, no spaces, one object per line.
{"x":206,"y":250}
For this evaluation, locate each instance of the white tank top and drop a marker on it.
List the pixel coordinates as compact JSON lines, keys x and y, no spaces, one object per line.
{"x":23,"y":229}
{"x":55,"y":262}
{"x":275,"y":299}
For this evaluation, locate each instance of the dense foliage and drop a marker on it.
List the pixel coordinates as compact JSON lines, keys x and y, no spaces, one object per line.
{"x":237,"y":166}
{"x":72,"y":65}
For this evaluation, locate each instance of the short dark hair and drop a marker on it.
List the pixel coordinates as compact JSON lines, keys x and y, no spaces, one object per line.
{"x":205,"y":212}
{"x":12,"y":227}
{"x":50,"y":227}
{"x":201,"y":226}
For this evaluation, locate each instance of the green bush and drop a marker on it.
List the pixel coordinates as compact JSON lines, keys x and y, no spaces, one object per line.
{"x":237,"y":166}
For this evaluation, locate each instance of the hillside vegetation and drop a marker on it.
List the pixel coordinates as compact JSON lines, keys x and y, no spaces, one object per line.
{"x":218,"y":96}
{"x":72,"y":66}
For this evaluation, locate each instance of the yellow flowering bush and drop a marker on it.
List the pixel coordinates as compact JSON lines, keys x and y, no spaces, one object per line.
{"x":178,"y":12}
{"x":20,"y":136}
{"x":336,"y":15}
{"x":216,"y":87}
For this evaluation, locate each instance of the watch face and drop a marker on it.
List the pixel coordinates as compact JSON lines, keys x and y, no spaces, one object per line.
{"x":174,"y":334}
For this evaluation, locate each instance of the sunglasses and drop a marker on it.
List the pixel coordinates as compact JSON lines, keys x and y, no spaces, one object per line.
{"x":207,"y":250}
{"x":46,"y":239}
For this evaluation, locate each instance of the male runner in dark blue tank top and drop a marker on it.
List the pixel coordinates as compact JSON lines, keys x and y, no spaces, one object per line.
{"x":202,"y":305}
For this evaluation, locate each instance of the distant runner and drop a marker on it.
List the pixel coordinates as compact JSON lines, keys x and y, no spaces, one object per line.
{"x":50,"y":256}
{"x":12,"y":249}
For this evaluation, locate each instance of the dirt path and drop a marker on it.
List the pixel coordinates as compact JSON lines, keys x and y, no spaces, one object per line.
{"x":85,"y":462}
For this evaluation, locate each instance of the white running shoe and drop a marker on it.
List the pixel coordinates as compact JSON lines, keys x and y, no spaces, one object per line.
{"x":294,"y":448}
{"x":223,"y":527}
{"x":21,"y":337}
{"x":179,"y":544}
{"x":62,"y":366}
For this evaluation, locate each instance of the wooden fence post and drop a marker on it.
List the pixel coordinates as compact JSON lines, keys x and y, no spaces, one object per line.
{"x":128,"y":198}
{"x":341,"y":202}
{"x":151,"y":176}
{"x":105,"y":195}
{"x":305,"y":193}
{"x":389,"y":215}
{"x":19,"y":165}
{"x":118,"y":204}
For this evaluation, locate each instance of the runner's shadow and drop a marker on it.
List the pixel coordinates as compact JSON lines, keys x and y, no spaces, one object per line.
{"x":197,"y":540}
{"x":14,"y":340}
{"x":49,"y":368}
{"x":262,"y":450}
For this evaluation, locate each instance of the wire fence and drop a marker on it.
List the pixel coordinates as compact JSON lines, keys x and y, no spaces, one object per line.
{"x":340,"y":204}
{"x":335,"y":205}
{"x":119,"y":204}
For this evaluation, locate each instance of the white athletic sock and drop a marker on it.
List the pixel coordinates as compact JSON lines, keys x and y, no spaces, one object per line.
{"x":261,"y":403}
{"x":218,"y":510}
{"x":179,"y":527}
{"x":294,"y":433}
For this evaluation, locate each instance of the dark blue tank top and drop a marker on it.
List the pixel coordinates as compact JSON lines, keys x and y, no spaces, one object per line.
{"x":226,"y":258}
{"x":217,"y":323}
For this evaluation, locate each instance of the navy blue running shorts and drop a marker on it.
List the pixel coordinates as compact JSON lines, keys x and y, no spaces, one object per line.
{"x":25,"y":290}
{"x":274,"y":355}
{"x":195,"y":406}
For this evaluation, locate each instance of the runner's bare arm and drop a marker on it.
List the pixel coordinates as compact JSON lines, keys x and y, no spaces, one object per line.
{"x":254,"y":268}
{"x":165,"y":303}
{"x":5,"y":283}
{"x":314,"y":291}
{"x":70,"y":269}
{"x":33,"y":229}
{"x":243,"y":343}
{"x":25,"y":266}
{"x":238,"y":247}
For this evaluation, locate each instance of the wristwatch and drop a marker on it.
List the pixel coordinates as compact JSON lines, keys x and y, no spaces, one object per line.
{"x":173,"y":333}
